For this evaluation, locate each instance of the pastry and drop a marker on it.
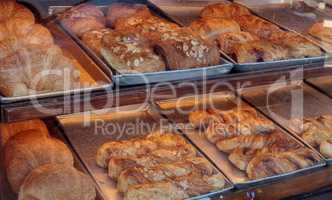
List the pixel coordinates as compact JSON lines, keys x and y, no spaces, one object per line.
{"x":143,"y":175}
{"x":322,"y":31}
{"x":325,"y":148}
{"x":37,"y":34}
{"x":28,"y":150}
{"x":227,"y":41}
{"x":258,"y":26}
{"x":298,"y":47}
{"x":182,"y":49}
{"x":56,"y":181}
{"x":211,"y":28}
{"x":259,"y":51}
{"x":83,"y":18}
{"x":224,"y":10}
{"x":128,"y":52}
{"x":11,"y":129}
{"x":139,"y":147}
{"x":125,"y":10}
{"x":93,"y":39}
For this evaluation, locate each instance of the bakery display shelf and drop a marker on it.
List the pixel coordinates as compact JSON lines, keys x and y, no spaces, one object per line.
{"x":124,"y":80}
{"x":55,"y":132}
{"x":139,"y":94}
{"x":178,"y":110}
{"x":92,"y":78}
{"x":285,"y":15}
{"x":87,"y":133}
{"x":185,"y":12}
{"x":283,"y":103}
{"x":323,"y":84}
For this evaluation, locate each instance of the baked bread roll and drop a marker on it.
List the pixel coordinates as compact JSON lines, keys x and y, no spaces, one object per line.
{"x":55,"y":182}
{"x":93,"y":39}
{"x":227,"y":41}
{"x":11,"y":129}
{"x":298,"y":47}
{"x":37,"y":34}
{"x":83,"y":18}
{"x":258,"y":26}
{"x":321,"y":31}
{"x":224,"y":10}
{"x":211,"y":28}
{"x":182,"y":49}
{"x":259,"y":51}
{"x":150,"y":28}
{"x":128,"y":52}
{"x":37,"y":69}
{"x":29,"y":150}
{"x":125,"y":10}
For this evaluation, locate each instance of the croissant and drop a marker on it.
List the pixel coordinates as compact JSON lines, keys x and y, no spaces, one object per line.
{"x":224,"y":10}
{"x":144,"y":175}
{"x":29,"y":150}
{"x":211,"y":28}
{"x":56,"y":181}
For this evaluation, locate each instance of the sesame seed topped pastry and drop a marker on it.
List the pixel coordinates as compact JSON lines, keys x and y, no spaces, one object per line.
{"x":128,"y":52}
{"x":94,"y":38}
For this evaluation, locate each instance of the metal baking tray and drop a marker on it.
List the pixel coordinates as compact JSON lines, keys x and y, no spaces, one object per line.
{"x":90,"y":72}
{"x":177,"y":111}
{"x":323,"y":84}
{"x":7,"y":194}
{"x":154,"y":77}
{"x":284,"y":102}
{"x":184,"y":12}
{"x":87,"y":133}
{"x":283,"y":14}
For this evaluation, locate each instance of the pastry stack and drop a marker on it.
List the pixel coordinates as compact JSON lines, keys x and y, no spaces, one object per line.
{"x":133,"y":40}
{"x":39,"y":166}
{"x":253,"y":144}
{"x":30,"y":62}
{"x":248,"y":38}
{"x":158,"y":166}
{"x":317,"y":132}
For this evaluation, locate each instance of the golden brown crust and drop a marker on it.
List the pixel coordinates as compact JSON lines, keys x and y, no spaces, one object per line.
{"x":224,"y":10}
{"x":29,"y":150}
{"x":128,"y":52}
{"x":228,"y":41}
{"x":182,"y":49}
{"x":37,"y":34}
{"x":211,"y":28}
{"x":259,"y":51}
{"x":321,"y":31}
{"x":55,"y":181}
{"x":83,"y":18}
{"x":125,"y":10}
{"x":258,"y":26}
{"x":9,"y":130}
{"x":93,"y":39}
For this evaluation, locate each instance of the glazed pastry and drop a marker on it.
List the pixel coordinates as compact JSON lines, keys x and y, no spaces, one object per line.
{"x":160,"y":156}
{"x":129,"y":52}
{"x":178,"y":189}
{"x":211,"y":28}
{"x":322,"y":31}
{"x":259,"y":51}
{"x":143,"y":175}
{"x":326,"y":148}
{"x":37,"y":34}
{"x":125,"y":10}
{"x":258,"y":26}
{"x":55,"y":181}
{"x":298,"y":47}
{"x":224,"y":10}
{"x":83,"y":18}
{"x":182,"y":49}
{"x":93,"y":39}
{"x":29,"y":150}
{"x":228,"y":41}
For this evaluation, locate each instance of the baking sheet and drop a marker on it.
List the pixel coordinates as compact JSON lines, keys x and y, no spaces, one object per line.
{"x":178,"y":110}
{"x":87,"y":138}
{"x":154,"y":77}
{"x":91,"y":76}
{"x":284,"y":102}
{"x":184,"y":12}
{"x":283,"y":15}
{"x":323,"y":84}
